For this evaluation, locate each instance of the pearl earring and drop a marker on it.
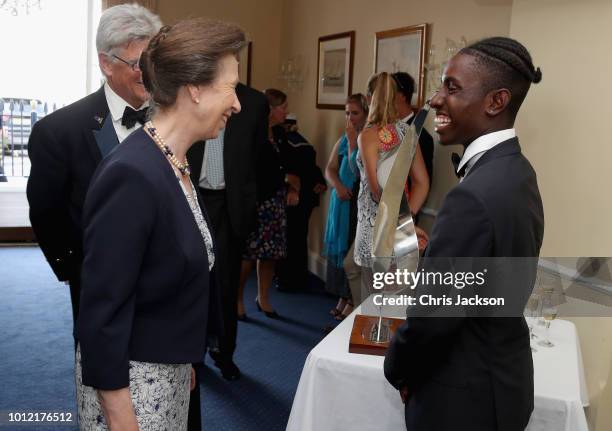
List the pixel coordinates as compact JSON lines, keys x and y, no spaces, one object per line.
{"x":197,"y":100}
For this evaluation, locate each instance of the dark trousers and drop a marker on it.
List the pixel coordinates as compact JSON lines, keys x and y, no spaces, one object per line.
{"x":441,"y":407}
{"x":75,"y":297}
{"x":292,"y":272}
{"x":228,"y":256}
{"x":194,"y":418}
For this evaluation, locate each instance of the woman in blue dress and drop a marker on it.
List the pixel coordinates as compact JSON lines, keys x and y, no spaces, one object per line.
{"x":343,"y":175}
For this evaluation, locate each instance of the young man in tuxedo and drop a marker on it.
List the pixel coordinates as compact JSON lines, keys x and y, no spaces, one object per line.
{"x":466,"y":372}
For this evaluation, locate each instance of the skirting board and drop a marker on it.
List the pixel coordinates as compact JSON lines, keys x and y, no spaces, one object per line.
{"x":17,"y":234}
{"x":317,"y":264}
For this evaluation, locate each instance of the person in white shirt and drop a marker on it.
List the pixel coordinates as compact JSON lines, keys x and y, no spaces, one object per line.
{"x":66,"y":146}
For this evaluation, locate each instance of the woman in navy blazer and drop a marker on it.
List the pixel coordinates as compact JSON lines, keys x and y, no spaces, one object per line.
{"x":147,"y":303}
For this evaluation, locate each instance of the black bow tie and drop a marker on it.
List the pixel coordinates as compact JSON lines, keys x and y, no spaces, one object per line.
{"x":456,"y":158}
{"x":131,"y":116}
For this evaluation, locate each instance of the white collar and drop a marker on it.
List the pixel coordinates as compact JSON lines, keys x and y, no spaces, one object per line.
{"x":408,"y":117}
{"x":484,"y":143}
{"x":116,"y":104}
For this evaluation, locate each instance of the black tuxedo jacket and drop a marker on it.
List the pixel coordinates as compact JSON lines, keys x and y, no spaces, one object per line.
{"x":475,"y":373}
{"x":65,"y":148}
{"x":146,"y":293}
{"x":246,"y":134}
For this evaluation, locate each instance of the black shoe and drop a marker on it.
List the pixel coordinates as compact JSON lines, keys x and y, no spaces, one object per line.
{"x":271,"y":314}
{"x":228,"y":368}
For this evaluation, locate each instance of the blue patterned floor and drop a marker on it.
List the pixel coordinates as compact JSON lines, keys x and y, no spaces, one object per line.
{"x":36,"y":351}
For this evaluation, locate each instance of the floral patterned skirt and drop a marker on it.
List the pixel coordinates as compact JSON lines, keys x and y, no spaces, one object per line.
{"x":160,"y":394}
{"x":269,"y":239}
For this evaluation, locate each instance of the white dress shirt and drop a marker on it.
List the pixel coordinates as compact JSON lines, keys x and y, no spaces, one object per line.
{"x":213,"y":158}
{"x":481,"y":145}
{"x":116,"y":106}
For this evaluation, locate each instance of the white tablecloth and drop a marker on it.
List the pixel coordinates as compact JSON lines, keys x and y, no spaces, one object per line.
{"x":339,"y":390}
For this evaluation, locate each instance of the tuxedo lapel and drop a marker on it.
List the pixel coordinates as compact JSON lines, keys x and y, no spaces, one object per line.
{"x":106,"y":137}
{"x":98,"y":115}
{"x":231,"y":144}
{"x":511,"y":146}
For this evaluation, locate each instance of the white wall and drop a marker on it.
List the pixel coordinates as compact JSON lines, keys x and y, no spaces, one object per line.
{"x":563,"y":131}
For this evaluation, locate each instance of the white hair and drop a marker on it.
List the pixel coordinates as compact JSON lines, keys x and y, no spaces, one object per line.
{"x":125,"y":23}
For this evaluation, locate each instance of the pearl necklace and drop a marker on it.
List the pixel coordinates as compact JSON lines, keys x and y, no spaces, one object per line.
{"x":182,"y":167}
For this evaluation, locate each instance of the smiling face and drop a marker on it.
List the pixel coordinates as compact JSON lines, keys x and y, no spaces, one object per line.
{"x":121,"y":77}
{"x":461,"y":104}
{"x":218,"y":101}
{"x":355,"y":115}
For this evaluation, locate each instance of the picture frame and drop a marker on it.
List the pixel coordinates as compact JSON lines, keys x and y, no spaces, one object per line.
{"x":335,"y":70}
{"x":244,"y":64}
{"x":403,"y":50}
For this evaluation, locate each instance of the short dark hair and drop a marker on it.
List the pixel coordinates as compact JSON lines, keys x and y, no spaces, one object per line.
{"x":275,"y":97}
{"x":372,"y":84}
{"x":508,"y":65}
{"x":187,"y":52}
{"x":405,"y":85}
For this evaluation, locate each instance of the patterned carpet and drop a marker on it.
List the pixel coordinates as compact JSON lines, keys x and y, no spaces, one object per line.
{"x":36,"y":350}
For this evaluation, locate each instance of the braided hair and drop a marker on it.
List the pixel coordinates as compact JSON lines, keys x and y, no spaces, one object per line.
{"x":508,"y":65}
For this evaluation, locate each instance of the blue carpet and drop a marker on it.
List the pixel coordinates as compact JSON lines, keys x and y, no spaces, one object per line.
{"x":37,"y":364}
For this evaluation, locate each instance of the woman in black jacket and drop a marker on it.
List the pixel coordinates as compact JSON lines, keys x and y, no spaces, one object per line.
{"x":147,"y":301}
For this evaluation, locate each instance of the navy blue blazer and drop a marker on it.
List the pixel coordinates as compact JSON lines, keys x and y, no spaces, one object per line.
{"x":146,"y":290}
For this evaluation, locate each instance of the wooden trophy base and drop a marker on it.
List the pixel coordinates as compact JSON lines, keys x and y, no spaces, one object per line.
{"x":360,"y":340}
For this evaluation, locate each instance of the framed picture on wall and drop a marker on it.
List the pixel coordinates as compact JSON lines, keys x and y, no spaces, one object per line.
{"x":335,"y":70}
{"x":403,"y":50}
{"x":244,"y":64}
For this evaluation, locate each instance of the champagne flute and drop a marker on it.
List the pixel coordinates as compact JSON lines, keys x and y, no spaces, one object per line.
{"x":549,"y":312}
